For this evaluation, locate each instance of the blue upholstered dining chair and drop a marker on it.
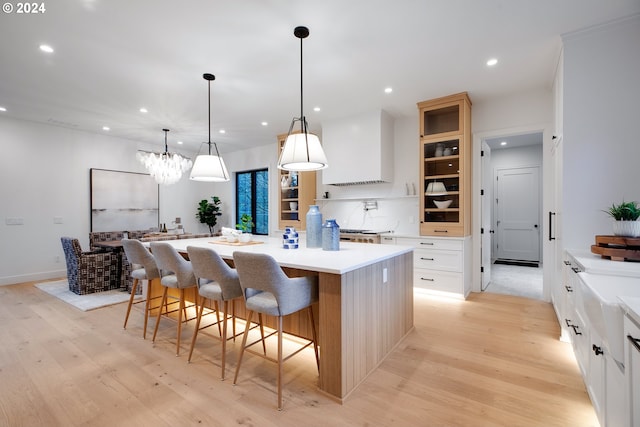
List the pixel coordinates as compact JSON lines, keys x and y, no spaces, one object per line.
{"x":219,"y":283}
{"x":268,"y":290}
{"x":144,"y":268}
{"x":89,"y":272}
{"x":177,"y":273}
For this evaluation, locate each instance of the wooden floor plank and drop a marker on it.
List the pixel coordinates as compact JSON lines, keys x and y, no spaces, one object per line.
{"x":491,"y":360}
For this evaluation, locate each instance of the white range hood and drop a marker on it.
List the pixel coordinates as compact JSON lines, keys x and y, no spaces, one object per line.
{"x":359,"y":149}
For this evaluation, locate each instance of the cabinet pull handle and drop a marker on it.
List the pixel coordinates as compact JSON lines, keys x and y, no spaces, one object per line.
{"x":597,"y":350}
{"x":426,"y":259}
{"x":568,"y":288}
{"x":567,"y":262}
{"x":441,"y":231}
{"x":634,"y":341}
{"x":551,"y":215}
{"x":576,"y":330}
{"x":568,"y":322}
{"x":427,"y":279}
{"x":575,"y":269}
{"x":427,"y":243}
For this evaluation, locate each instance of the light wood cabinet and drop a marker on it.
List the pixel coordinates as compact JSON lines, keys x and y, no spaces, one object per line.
{"x":295,"y":196}
{"x":445,"y":164}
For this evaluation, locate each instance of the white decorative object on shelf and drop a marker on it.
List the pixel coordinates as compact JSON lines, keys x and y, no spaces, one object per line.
{"x":443,"y":204}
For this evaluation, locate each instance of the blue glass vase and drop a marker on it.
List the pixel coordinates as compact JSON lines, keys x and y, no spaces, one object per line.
{"x":314,"y":227}
{"x":330,"y":235}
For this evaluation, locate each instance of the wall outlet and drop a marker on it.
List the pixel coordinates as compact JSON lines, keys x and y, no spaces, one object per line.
{"x":57,"y":220}
{"x":384,"y":275}
{"x":14,"y":221}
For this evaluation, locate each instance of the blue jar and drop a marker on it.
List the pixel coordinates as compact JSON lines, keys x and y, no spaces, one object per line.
{"x":290,"y":238}
{"x":314,"y":227}
{"x":330,"y":235}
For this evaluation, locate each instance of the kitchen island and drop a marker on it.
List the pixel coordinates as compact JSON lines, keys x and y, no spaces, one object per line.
{"x":365,"y":306}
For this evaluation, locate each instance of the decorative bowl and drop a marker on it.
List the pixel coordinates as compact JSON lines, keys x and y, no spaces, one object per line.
{"x":443,"y":204}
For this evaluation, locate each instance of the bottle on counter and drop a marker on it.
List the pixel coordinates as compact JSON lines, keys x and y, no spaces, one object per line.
{"x":330,"y":235}
{"x":314,"y":227}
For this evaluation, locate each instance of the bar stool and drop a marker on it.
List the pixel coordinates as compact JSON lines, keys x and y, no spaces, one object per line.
{"x":268,"y":290}
{"x":176,"y":272}
{"x":138,"y":255}
{"x":219,"y":283}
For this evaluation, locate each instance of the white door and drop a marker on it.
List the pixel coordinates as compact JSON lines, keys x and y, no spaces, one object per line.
{"x":486,"y":198}
{"x":517,"y":207}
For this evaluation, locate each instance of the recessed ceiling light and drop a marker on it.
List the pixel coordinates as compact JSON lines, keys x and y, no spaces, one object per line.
{"x":3,"y":109}
{"x":46,"y":48}
{"x":144,"y":110}
{"x":222,"y":131}
{"x":503,"y":143}
{"x":316,"y":109}
{"x":388,"y":90}
{"x":492,"y":62}
{"x":264,"y":123}
{"x":106,"y":128}
{"x":180,"y":142}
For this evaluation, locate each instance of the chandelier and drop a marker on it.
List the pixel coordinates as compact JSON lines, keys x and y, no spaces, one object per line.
{"x":166,"y":168}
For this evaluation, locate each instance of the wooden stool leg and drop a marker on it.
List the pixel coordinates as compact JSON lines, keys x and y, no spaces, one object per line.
{"x":180,"y":312}
{"x":217,"y":310}
{"x":279,"y":380}
{"x":195,"y":332}
{"x":264,"y":345}
{"x":164,"y":302}
{"x":146,"y":309}
{"x":133,"y":293}
{"x":244,"y":343}
{"x":224,"y":336}
{"x":315,"y":338}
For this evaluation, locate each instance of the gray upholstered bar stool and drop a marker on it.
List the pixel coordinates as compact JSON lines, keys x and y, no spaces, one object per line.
{"x":144,"y":267}
{"x":268,"y":290}
{"x":176,"y":272}
{"x":219,"y":283}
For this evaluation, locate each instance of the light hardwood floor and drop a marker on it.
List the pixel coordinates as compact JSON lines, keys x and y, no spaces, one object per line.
{"x":493,"y":360}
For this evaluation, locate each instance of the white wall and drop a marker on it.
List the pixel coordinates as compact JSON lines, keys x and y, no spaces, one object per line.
{"x":600,"y":136}
{"x":44,"y":171}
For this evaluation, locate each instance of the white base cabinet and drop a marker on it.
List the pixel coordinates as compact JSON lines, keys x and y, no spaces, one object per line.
{"x":441,"y":265}
{"x":632,"y":366}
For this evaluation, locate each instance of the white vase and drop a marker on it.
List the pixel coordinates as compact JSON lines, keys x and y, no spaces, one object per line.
{"x":626,"y":228}
{"x":245,"y":237}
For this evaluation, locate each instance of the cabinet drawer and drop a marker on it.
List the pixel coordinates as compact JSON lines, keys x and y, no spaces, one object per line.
{"x":437,"y":280}
{"x":426,"y":243}
{"x":438,"y":260}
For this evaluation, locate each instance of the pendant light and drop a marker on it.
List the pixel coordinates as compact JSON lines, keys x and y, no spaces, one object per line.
{"x":302,"y":151}
{"x":166,"y":168}
{"x":210,"y":167}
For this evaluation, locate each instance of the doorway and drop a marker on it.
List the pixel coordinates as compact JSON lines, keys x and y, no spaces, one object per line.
{"x":511,"y":214}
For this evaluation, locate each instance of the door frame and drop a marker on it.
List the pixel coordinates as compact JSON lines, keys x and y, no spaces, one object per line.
{"x":548,"y":195}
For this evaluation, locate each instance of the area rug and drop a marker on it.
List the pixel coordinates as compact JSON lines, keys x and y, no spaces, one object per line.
{"x":60,"y":290}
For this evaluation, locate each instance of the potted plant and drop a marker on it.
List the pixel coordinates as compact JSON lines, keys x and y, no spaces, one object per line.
{"x":245,"y":225}
{"x":208,"y":212}
{"x":625,"y":217}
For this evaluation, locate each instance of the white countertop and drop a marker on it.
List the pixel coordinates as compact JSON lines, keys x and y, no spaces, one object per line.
{"x":595,"y":264}
{"x":631,"y":306}
{"x":351,"y":256}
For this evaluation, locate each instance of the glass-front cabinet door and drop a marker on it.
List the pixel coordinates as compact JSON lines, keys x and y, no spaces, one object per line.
{"x":445,"y":166}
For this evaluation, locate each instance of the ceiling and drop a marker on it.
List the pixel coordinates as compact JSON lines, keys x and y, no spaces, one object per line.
{"x":112,"y":58}
{"x":515,"y":141}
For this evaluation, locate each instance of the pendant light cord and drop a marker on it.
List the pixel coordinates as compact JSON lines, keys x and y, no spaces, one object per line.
{"x":301,"y":88}
{"x":209,"y":99}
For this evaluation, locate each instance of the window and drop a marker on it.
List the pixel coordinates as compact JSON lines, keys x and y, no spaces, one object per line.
{"x":252,"y":197}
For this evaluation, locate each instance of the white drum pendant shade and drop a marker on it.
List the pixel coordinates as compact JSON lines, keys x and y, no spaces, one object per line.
{"x":302,"y":152}
{"x":209,"y":168}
